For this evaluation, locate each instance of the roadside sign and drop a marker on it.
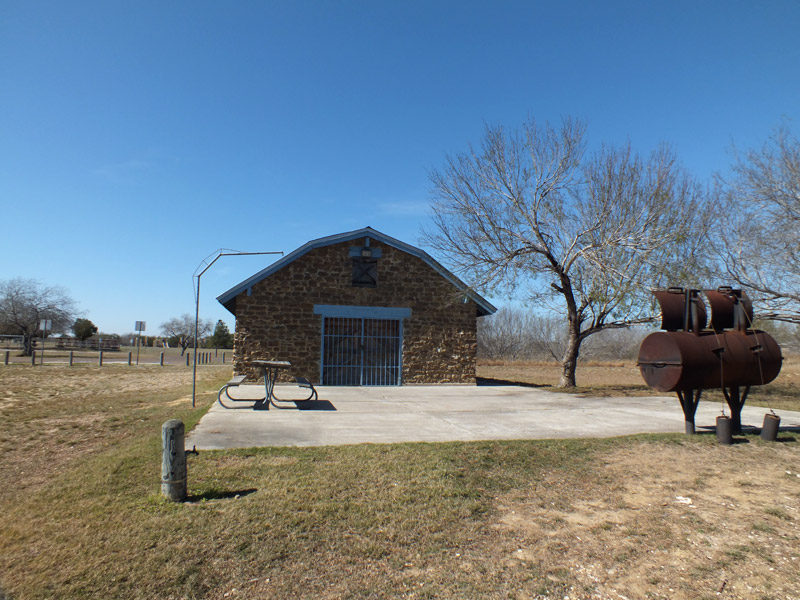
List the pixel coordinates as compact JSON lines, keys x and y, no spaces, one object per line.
{"x":139,"y":326}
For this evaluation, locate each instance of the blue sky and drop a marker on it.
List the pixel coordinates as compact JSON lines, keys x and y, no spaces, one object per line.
{"x":136,"y":138}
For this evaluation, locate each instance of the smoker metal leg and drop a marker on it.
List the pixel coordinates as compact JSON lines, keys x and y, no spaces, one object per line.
{"x":736,"y":404}
{"x":689,"y":400}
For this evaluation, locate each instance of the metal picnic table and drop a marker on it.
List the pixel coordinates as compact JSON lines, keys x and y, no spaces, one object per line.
{"x":269,"y":370}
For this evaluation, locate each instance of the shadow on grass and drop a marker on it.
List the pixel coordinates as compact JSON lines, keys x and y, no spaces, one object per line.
{"x":493,"y":381}
{"x":790,"y":433}
{"x":219,"y":495}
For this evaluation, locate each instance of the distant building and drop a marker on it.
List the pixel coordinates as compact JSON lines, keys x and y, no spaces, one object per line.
{"x":358,"y":308}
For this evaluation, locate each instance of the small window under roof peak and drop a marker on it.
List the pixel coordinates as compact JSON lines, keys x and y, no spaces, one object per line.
{"x":365,"y":271}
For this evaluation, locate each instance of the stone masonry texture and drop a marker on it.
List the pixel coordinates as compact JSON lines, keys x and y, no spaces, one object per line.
{"x":277,"y":321}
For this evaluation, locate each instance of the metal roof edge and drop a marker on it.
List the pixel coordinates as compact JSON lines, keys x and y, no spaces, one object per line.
{"x":484,"y":306}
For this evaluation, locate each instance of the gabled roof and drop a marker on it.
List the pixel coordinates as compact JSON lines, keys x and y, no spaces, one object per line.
{"x":226,"y":299}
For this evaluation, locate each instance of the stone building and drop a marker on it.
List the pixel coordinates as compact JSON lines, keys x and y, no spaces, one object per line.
{"x":358,"y":308}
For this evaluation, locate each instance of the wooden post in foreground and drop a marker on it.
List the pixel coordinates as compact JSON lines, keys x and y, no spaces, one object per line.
{"x":5,"y":360}
{"x":71,"y":357}
{"x":130,"y":358}
{"x":100,"y":359}
{"x":161,"y":360}
{"x":187,"y":360}
{"x":173,"y":461}
{"x":33,"y":358}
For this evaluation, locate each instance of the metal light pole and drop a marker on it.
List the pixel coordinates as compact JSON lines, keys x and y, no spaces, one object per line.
{"x":45,"y":326}
{"x":219,"y":253}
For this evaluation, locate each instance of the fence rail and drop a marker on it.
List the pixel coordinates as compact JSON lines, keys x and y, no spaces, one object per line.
{"x":14,"y":342}
{"x":90,"y":344}
{"x":128,"y":355}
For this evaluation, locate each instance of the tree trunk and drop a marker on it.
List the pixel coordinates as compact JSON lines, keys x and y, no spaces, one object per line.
{"x":570,"y":361}
{"x":27,"y":344}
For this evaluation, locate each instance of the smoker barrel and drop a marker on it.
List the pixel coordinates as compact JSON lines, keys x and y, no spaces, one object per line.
{"x":673,"y":308}
{"x":678,"y":360}
{"x":723,"y":309}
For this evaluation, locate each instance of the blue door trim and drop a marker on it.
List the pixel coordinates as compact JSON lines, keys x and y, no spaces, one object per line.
{"x":362,"y":312}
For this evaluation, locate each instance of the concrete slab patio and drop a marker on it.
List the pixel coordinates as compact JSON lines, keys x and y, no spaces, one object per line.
{"x":355,"y":415}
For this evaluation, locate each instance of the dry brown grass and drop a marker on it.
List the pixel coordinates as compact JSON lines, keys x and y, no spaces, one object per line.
{"x":80,"y":514}
{"x":594,"y":374}
{"x":621,"y":378}
{"x":51,"y":416}
{"x":670,"y":521}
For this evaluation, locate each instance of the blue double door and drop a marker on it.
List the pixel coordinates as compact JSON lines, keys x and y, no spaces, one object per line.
{"x":361,"y":351}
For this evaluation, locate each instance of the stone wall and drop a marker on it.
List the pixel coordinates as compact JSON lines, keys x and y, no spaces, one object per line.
{"x":277,"y":321}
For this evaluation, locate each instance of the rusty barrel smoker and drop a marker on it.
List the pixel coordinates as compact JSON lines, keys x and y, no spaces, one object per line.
{"x":689,"y":357}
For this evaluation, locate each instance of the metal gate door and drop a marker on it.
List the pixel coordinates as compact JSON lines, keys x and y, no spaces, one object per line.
{"x":361,"y":351}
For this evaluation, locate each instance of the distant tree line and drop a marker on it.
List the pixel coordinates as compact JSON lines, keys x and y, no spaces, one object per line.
{"x":25,"y":303}
{"x":519,"y":334}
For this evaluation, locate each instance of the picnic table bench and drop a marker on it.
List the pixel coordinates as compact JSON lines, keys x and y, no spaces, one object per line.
{"x":269,"y":369}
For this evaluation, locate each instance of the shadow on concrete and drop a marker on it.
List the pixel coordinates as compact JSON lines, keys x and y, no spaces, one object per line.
{"x":304,"y":404}
{"x":230,"y":406}
{"x":315,"y":405}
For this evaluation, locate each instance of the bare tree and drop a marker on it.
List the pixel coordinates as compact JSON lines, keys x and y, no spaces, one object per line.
{"x":758,"y":232}
{"x":615,"y":344}
{"x":24,"y":303}
{"x":507,"y":334}
{"x":517,"y":334}
{"x":527,"y":212}
{"x":514,"y":334}
{"x":181,"y":330}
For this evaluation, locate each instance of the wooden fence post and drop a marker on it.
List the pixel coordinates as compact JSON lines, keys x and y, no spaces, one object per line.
{"x":33,"y":358}
{"x":187,"y":360}
{"x":5,"y":360}
{"x":130,"y":358}
{"x":71,"y":357}
{"x":173,"y":461}
{"x":100,"y":359}
{"x":161,"y":360}
{"x":223,"y":358}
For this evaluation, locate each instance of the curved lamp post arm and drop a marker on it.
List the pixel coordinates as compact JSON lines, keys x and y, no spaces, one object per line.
{"x":219,"y":254}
